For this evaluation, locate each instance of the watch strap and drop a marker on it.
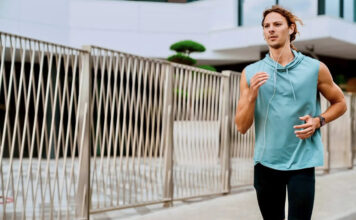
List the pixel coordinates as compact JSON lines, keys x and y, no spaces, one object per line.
{"x":322,"y":120}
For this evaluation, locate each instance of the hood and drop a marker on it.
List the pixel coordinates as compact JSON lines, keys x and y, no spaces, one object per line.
{"x":298,"y":57}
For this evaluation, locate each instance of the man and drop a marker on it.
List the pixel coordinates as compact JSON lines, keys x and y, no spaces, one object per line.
{"x":280,"y":92}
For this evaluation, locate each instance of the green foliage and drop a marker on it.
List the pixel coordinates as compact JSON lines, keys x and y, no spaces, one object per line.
{"x":182,"y":59}
{"x":183,"y":49}
{"x":207,"y":67}
{"x":187,"y":47}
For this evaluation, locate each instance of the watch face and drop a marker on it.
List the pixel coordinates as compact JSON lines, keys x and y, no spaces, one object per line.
{"x":322,"y":121}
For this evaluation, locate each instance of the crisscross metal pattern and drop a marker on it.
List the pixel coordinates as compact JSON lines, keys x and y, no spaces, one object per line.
{"x":241,"y":146}
{"x":39,"y":85}
{"x":126,"y":129}
{"x":196,"y":128}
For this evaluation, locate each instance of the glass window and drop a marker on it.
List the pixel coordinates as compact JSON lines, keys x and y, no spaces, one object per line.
{"x":301,"y":8}
{"x":332,"y":8}
{"x":349,"y":10}
{"x":252,"y":11}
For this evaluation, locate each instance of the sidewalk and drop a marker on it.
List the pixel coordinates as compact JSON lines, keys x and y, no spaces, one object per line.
{"x":335,"y":200}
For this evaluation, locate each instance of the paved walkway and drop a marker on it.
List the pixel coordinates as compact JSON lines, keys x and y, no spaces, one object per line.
{"x":335,"y":200}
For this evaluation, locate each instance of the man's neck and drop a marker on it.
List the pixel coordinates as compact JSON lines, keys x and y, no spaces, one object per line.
{"x":284,"y":58}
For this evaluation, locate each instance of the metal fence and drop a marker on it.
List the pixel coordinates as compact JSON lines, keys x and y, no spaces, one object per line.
{"x":93,"y":130}
{"x":128,"y":129}
{"x":198,"y":154}
{"x":41,"y":120}
{"x":339,"y":136}
{"x":241,"y":146}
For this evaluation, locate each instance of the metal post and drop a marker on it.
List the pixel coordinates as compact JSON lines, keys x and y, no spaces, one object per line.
{"x":225,"y":131}
{"x":328,"y":159}
{"x":351,"y":119}
{"x":325,"y":134}
{"x":83,"y":196}
{"x":168,"y":134}
{"x":353,"y":126}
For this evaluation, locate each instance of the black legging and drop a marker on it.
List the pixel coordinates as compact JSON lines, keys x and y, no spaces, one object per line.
{"x":271,"y":185}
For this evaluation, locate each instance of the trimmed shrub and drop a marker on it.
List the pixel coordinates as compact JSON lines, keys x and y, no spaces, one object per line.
{"x":187,"y":47}
{"x":181,"y":58}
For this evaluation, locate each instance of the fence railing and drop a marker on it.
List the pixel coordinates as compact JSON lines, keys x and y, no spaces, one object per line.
{"x":41,"y":138}
{"x":92,"y":130}
{"x":241,"y":146}
{"x":197,"y":120}
{"x":339,"y":136}
{"x":128,"y":129}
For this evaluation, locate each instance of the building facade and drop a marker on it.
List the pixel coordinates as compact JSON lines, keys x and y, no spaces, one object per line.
{"x":229,"y":29}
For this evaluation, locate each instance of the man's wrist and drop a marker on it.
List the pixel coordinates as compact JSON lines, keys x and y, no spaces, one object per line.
{"x":317,"y":122}
{"x":251,"y":98}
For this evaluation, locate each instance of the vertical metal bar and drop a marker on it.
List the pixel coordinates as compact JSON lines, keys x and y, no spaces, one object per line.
{"x":168,"y":130}
{"x":84,"y":175}
{"x":353,"y":126}
{"x":96,"y":135}
{"x":325,"y":132}
{"x":350,"y":117}
{"x":144,"y":117}
{"x":327,"y":170}
{"x":225,"y":128}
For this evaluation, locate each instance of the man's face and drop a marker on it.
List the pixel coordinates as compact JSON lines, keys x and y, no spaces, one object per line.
{"x":276,"y":30}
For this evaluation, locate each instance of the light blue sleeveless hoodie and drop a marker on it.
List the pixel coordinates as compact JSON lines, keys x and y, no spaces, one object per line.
{"x":289,"y":93}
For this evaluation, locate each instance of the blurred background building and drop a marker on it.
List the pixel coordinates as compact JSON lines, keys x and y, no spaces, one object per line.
{"x":230,"y":29}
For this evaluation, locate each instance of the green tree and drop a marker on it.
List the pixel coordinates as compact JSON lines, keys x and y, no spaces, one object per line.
{"x":184,"y":49}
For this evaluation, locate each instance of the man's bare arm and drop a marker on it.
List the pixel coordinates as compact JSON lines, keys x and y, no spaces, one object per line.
{"x":248,"y":95}
{"x":332,"y":93}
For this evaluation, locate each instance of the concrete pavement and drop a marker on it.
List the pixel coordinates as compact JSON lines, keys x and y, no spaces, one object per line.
{"x":335,"y":199}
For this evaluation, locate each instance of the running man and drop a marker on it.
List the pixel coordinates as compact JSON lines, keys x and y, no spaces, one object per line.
{"x":280,"y":93}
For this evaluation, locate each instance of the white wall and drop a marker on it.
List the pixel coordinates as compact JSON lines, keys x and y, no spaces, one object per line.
{"x":144,"y":28}
{"x":41,"y":19}
{"x":148,"y":28}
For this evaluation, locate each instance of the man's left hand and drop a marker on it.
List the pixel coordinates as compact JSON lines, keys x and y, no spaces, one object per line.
{"x":308,"y":129}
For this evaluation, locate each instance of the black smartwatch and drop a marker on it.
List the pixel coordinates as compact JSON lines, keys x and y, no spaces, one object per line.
{"x":322,"y":120}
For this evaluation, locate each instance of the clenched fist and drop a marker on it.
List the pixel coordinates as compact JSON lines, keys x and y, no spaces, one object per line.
{"x":256,"y":82}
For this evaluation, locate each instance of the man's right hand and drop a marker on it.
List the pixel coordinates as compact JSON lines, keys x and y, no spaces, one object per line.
{"x":255,"y":83}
